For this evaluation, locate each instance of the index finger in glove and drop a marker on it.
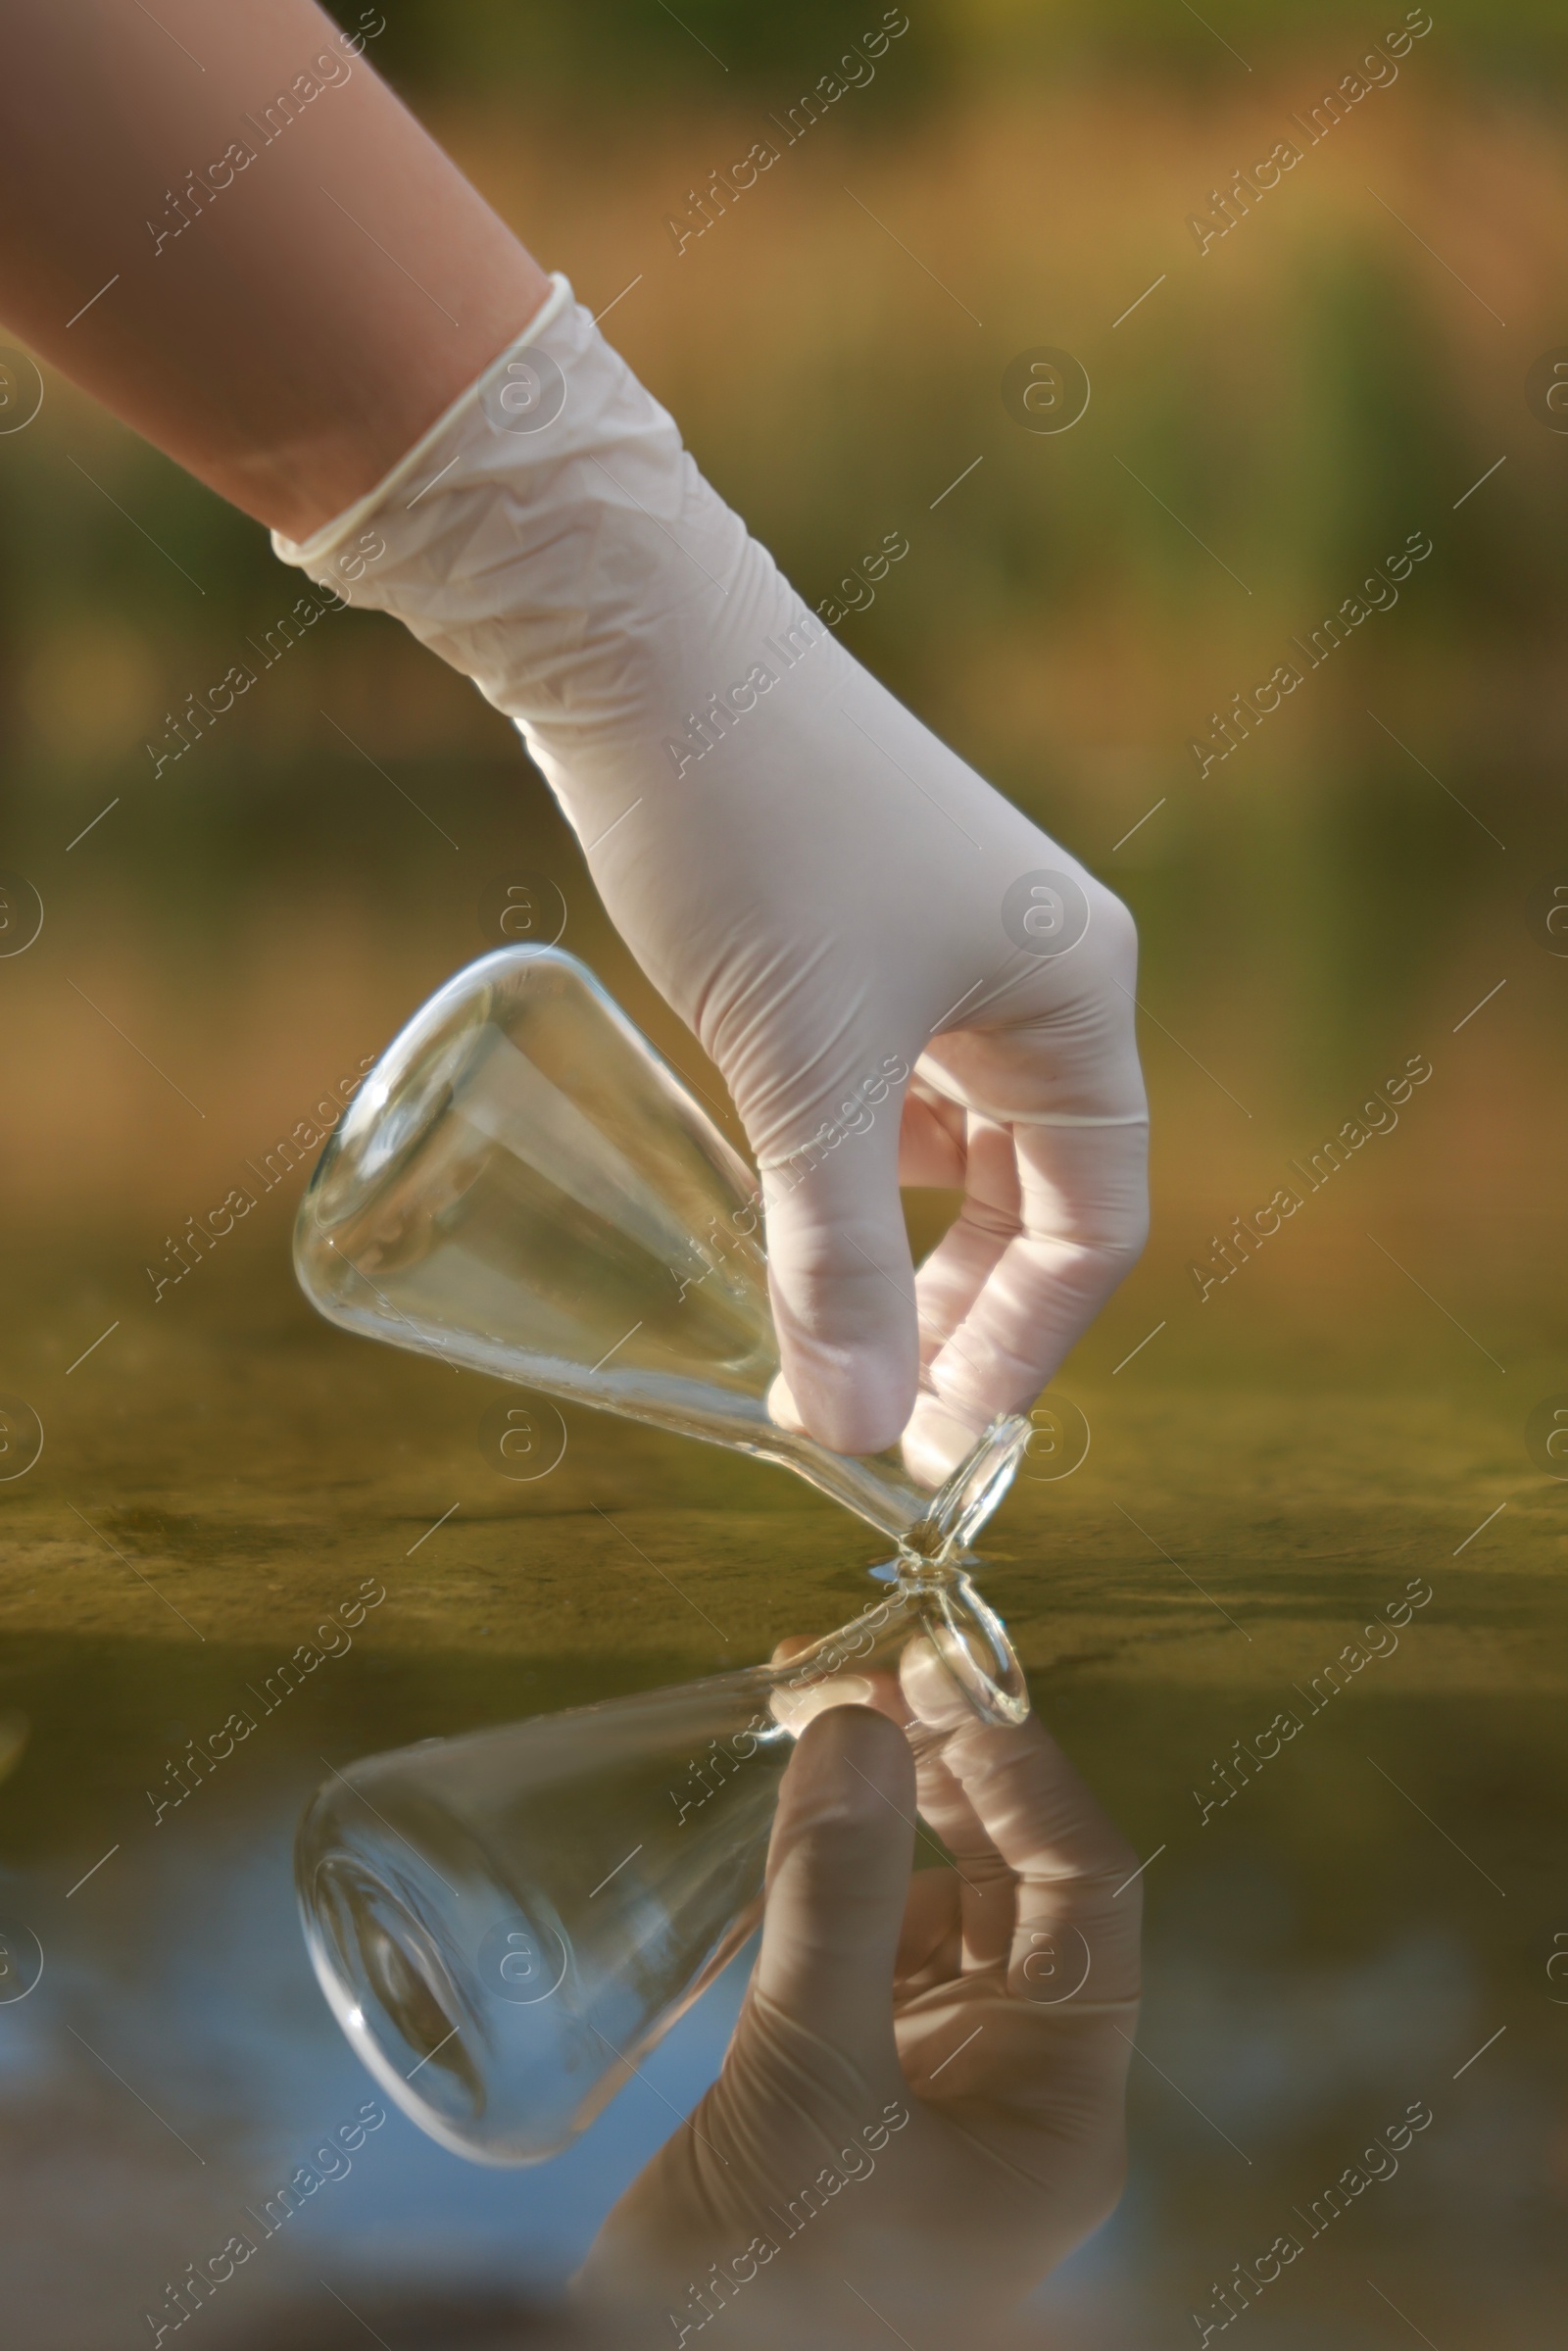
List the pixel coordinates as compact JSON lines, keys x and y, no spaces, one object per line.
{"x":843,"y":1290}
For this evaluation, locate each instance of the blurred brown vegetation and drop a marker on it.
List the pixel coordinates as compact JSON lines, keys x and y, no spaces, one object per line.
{"x":1281,"y":411}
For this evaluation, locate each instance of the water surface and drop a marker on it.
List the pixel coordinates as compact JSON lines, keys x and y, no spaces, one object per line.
{"x":1334,"y":1932}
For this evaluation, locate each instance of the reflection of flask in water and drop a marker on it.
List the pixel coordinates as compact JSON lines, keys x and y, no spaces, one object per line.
{"x":522,"y":1186}
{"x":503,"y":1924}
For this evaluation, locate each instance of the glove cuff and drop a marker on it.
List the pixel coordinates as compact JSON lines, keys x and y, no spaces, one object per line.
{"x":322,"y":545}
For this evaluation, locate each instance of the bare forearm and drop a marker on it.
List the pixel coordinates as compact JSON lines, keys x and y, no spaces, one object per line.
{"x":225,"y":227}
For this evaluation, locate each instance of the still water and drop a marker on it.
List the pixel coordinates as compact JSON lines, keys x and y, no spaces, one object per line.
{"x":1355,"y":1877}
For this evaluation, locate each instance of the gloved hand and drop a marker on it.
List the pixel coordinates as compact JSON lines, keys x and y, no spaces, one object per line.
{"x":922,"y":2111}
{"x":827,"y":895}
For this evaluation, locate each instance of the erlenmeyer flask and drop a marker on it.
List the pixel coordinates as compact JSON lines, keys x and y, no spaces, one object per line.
{"x":522,"y":1186}
{"x":503,"y":1924}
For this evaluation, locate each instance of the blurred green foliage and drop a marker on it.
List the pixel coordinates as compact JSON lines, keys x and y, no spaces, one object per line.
{"x":628,"y":51}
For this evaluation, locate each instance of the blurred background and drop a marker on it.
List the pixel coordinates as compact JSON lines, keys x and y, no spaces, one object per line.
{"x":1268,"y":424}
{"x":1364,"y":359}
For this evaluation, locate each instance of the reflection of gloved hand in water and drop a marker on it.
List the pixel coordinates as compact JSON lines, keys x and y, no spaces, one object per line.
{"x":823,"y":891}
{"x":920,"y":2113}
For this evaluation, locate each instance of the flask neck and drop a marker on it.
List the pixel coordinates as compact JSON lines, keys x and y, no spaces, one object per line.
{"x":933,"y":1634}
{"x":878,"y":1488}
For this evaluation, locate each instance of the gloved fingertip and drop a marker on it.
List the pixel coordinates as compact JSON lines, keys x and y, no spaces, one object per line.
{"x":936,"y":1441}
{"x":851,"y":1767}
{"x":853,"y":1397}
{"x":929,"y":1689}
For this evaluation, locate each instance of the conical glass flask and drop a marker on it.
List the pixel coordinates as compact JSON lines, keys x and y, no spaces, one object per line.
{"x":505,"y":1924}
{"x":522,"y":1186}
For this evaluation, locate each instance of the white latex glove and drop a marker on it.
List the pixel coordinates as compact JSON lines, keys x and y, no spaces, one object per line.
{"x":826,"y":894}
